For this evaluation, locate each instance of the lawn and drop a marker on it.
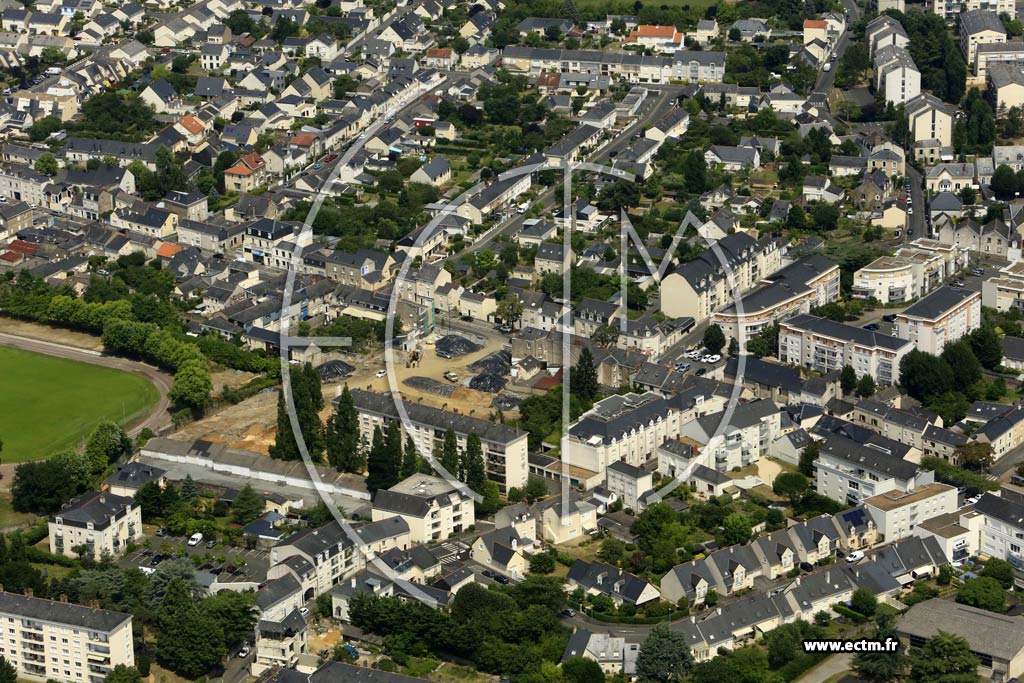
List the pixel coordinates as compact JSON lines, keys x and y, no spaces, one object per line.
{"x":49,"y":404}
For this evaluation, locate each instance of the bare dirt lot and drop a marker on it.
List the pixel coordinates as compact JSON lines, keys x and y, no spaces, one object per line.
{"x":54,"y":335}
{"x":250,"y":425}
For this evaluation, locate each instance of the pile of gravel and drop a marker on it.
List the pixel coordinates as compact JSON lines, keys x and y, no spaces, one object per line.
{"x":455,"y":345}
{"x":506,"y":402}
{"x":498,"y":363}
{"x":430,"y":385}
{"x":485,"y":381}
{"x":333,"y":369}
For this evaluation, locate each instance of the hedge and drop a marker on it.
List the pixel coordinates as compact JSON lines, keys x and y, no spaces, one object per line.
{"x":614,"y":619}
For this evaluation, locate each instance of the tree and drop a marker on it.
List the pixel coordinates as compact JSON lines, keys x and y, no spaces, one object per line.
{"x":826,"y":216}
{"x":235,"y":613}
{"x":106,"y":444}
{"x":344,"y":449}
{"x":983,"y":592}
{"x":46,"y":164}
{"x":42,"y":487}
{"x":975,"y":456}
{"x":796,"y":218}
{"x":664,"y":656}
{"x":472,"y":464}
{"x":714,"y":339}
{"x":945,"y":658}
{"x":808,"y":455}
{"x":866,"y":386}
{"x":1004,"y":182}
{"x":150,"y":499}
{"x":582,"y":670}
{"x":923,"y":375}
{"x":410,"y":459}
{"x":864,"y":602}
{"x":384,"y":466}
{"x":964,"y":364}
{"x":792,"y":485}
{"x":510,"y":310}
{"x":736,"y":529}
{"x":247,"y":506}
{"x":542,"y":563}
{"x":8,"y":674}
{"x":1000,"y":570}
{"x":987,"y":347}
{"x":450,"y":453}
{"x":189,"y":642}
{"x":192,"y":386}
{"x":848,"y":379}
{"x":583,"y":379}
{"x":883,"y":666}
{"x":189,"y":489}
{"x":535,"y":489}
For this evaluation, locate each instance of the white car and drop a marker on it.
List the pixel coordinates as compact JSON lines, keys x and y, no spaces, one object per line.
{"x":381,"y":373}
{"x":855,"y":556}
{"x":304,"y":611}
{"x":714,"y":358}
{"x":705,"y":358}
{"x":195,"y":539}
{"x":244,"y":652}
{"x":973,"y":500}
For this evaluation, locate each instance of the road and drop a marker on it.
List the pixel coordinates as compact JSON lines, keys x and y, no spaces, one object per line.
{"x":655,"y":109}
{"x":157,"y":418}
{"x":827,"y":79}
{"x":915,"y":221}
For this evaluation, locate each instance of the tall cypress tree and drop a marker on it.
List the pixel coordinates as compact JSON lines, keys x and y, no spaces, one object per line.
{"x":307,"y":396}
{"x":376,"y":463}
{"x":410,"y":459}
{"x":284,"y":447}
{"x":450,"y":453}
{"x":344,"y":449}
{"x":393,"y":453}
{"x":583,"y":377}
{"x":473,"y":470}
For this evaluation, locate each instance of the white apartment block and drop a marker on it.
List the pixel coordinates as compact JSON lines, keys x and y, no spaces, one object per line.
{"x":317,"y":558}
{"x":505,"y":448}
{"x":941,"y":318}
{"x":850,"y":472}
{"x":99,"y":524}
{"x":824,"y":345}
{"x":1005,"y":290}
{"x":897,"y":513}
{"x":433,"y":508}
{"x":979,"y":27}
{"x":896,"y":75}
{"x":629,"y":484}
{"x":1002,"y":533}
{"x":47,"y":640}
{"x":950,"y":9}
{"x":750,"y":430}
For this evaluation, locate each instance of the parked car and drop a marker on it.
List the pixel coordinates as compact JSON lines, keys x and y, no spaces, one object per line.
{"x":958,"y":283}
{"x":807,"y":566}
{"x":855,"y":556}
{"x":195,"y":539}
{"x":713,"y":358}
{"x":973,"y":500}
{"x":568,"y":612}
{"x":451,"y":377}
{"x":211,"y":543}
{"x":244,"y":652}
{"x":502,"y":579}
{"x":977,"y":272}
{"x":488,"y":573}
{"x":304,"y":611}
{"x":872,"y":327}
{"x":890,"y":318}
{"x":381,"y":373}
{"x":161,"y":531}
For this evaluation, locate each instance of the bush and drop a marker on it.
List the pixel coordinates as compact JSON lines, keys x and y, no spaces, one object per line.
{"x":849,"y":613}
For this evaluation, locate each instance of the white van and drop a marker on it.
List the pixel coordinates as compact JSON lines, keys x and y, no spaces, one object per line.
{"x":195,"y":539}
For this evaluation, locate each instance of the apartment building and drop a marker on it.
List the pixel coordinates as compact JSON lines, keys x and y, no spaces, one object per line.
{"x":1005,"y":291}
{"x":893,"y":423}
{"x":850,"y":471}
{"x":505,"y":448}
{"x":930,"y":119}
{"x":630,"y":484}
{"x":279,"y":642}
{"x":433,"y":508}
{"x":951,"y":9}
{"x":271,"y":243}
{"x":317,"y":558}
{"x":897,"y":513}
{"x":884,"y":30}
{"x":1003,"y":431}
{"x":979,"y":27}
{"x":1012,"y":51}
{"x":97,"y":525}
{"x":699,"y":288}
{"x":810,"y":282}
{"x":684,"y":65}
{"x":896,"y":74}
{"x":941,"y":318}
{"x":892,"y":279}
{"x":736,"y":437}
{"x":824,"y":345}
{"x":48,"y":640}
{"x":1002,"y":531}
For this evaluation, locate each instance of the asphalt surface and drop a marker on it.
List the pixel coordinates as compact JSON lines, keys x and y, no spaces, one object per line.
{"x":155,"y":420}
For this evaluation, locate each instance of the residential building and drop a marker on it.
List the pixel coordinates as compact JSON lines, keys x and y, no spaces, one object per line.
{"x":613,"y":654}
{"x":505,"y":448}
{"x":1005,"y":80}
{"x":132,"y":476}
{"x":997,"y":640}
{"x":630,"y":484}
{"x":897,"y":513}
{"x":896,"y":74}
{"x":991,"y":53}
{"x":97,"y":525}
{"x":598,"y":578}
{"x":825,"y":345}
{"x":850,"y":471}
{"x":942,"y":317}
{"x":950,"y":9}
{"x":929,"y":119}
{"x":316,"y":558}
{"x":743,"y":440}
{"x":51,"y":640}
{"x":1002,"y":529}
{"x":979,"y":27}
{"x":433,"y":508}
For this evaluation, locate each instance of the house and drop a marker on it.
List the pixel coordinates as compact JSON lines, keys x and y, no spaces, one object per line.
{"x":613,"y":654}
{"x":435,"y":172}
{"x":551,"y":258}
{"x":821,"y":189}
{"x":629,"y":483}
{"x":502,"y":549}
{"x":247,"y":174}
{"x":559,"y":522}
{"x":733,"y":158}
{"x":598,"y":578}
{"x":98,"y":525}
{"x":666,"y":39}
{"x":160,"y":95}
{"x":132,"y":476}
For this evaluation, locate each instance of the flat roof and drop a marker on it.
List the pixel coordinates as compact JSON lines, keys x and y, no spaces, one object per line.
{"x":891,"y":500}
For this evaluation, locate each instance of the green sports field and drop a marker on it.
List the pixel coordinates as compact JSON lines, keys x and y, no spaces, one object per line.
{"x":50,"y":404}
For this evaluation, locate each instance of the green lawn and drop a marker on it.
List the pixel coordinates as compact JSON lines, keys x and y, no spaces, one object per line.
{"x":49,"y":404}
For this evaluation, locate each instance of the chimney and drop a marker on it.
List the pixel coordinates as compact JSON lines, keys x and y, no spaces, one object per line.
{"x":28,"y":592}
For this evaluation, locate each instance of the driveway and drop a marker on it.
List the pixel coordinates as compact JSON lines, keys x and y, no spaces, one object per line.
{"x":835,"y":664}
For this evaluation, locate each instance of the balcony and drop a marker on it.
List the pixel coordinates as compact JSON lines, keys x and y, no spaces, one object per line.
{"x":862,"y":292}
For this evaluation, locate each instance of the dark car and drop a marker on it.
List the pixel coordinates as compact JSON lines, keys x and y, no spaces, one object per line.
{"x":568,"y":612}
{"x":807,"y":566}
{"x":501,"y":579}
{"x":873,"y":327}
{"x":157,"y":559}
{"x":702,"y":371}
{"x":890,"y":318}
{"x":488,"y":573}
